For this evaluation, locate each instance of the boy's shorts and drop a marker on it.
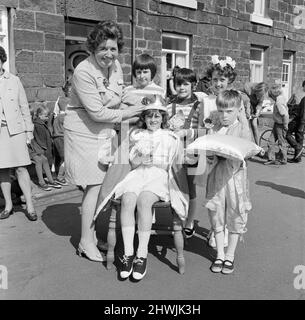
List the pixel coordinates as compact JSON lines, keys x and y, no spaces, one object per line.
{"x":223,"y":211}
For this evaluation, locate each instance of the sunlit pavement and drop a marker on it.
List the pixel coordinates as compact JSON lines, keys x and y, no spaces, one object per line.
{"x":42,"y":264}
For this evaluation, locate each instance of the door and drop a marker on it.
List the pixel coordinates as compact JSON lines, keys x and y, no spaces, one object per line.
{"x":287,"y":74}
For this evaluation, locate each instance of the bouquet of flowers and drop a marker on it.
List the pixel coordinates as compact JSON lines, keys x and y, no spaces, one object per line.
{"x":144,"y":148}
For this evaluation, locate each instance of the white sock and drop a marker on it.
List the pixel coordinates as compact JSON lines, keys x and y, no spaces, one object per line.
{"x":128,"y":235}
{"x":143,"y":243}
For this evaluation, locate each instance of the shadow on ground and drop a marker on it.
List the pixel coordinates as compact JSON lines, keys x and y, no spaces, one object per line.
{"x":290,"y":191}
{"x":65,"y":220}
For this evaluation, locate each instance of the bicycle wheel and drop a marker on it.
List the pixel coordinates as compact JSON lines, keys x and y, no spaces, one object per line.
{"x":266,"y":139}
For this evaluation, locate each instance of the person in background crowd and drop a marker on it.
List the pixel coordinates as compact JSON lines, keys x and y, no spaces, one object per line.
{"x":41,"y":149}
{"x":295,"y":133}
{"x":16,"y":131}
{"x":280,"y":127}
{"x":58,"y":133}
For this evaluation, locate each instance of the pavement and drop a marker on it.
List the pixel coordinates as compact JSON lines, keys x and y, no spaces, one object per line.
{"x":42,"y":263}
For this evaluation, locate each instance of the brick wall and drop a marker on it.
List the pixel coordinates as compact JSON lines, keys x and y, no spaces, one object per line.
{"x":217,"y":27}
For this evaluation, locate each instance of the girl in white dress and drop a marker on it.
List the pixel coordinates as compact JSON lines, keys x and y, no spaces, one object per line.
{"x":153,"y":149}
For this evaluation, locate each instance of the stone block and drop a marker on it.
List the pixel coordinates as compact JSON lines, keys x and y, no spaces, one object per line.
{"x":50,"y":23}
{"x":54,"y":42}
{"x":31,"y":40}
{"x":48,"y":68}
{"x":123,"y":14}
{"x":139,"y":32}
{"x":220,"y":32}
{"x":152,"y":34}
{"x":216,"y":43}
{"x":141,"y":44}
{"x":31,"y":94}
{"x":31,"y":80}
{"x":27,"y":67}
{"x":42,"y":56}
{"x":53,"y":81}
{"x":25,"y":56}
{"x":38,"y":5}
{"x":48,"y":94}
{"x":154,"y":45}
{"x":25,"y":20}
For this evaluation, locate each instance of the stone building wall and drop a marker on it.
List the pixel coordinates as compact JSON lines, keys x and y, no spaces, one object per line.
{"x":217,"y":27}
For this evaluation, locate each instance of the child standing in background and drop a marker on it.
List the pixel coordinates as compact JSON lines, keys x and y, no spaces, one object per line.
{"x":40,"y":148}
{"x":144,"y":69}
{"x":188,"y":108}
{"x":58,"y":133}
{"x":280,"y":127}
{"x":226,"y":207}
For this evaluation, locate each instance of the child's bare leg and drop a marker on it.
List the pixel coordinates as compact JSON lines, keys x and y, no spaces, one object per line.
{"x":128,"y":205}
{"x":191,"y":214}
{"x":144,"y":204}
{"x":219,"y":238}
{"x":47,"y":170}
{"x":233,"y":240}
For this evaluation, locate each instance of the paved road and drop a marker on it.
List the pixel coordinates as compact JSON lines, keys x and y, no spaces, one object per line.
{"x":42,"y":264}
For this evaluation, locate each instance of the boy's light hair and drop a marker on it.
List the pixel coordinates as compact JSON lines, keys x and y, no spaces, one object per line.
{"x":275,"y":90}
{"x":229,"y":99}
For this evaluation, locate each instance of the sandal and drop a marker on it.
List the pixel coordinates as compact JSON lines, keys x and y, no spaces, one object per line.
{"x":228,"y":267}
{"x":189,"y":232}
{"x":217,"y":266}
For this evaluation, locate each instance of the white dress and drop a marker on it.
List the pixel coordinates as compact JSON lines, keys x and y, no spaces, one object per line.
{"x":152,"y":174}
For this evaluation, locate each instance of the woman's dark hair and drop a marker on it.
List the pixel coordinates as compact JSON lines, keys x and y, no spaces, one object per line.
{"x":144,"y":61}
{"x":303,"y":83}
{"x":185,"y":75}
{"x":141,"y":122}
{"x":227,"y":71}
{"x":103,"y":31}
{"x":3,"y":56}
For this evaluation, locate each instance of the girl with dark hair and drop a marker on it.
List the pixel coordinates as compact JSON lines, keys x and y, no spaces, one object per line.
{"x":144,"y":69}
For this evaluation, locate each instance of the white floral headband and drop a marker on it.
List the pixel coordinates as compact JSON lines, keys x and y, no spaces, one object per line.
{"x":223,"y":62}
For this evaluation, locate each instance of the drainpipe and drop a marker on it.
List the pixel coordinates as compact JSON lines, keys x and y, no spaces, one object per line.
{"x":133,"y":33}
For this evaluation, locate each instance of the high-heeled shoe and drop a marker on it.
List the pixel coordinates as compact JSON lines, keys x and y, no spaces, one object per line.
{"x":82,"y":252}
{"x":5,"y":214}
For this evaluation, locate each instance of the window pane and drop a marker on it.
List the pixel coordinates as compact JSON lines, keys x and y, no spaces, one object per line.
{"x":180,"y":60}
{"x":173,"y":43}
{"x":4,"y":33}
{"x":259,"y":7}
{"x":256,"y":54}
{"x":169,"y":60}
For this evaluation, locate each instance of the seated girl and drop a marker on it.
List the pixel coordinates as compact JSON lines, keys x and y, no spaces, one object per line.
{"x":153,"y":152}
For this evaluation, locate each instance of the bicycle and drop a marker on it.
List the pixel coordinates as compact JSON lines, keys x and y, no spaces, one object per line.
{"x":266,"y":138}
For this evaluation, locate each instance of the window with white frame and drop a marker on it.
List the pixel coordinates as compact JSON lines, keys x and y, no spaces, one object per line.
{"x":259,"y":13}
{"x":184,"y":3}
{"x":4,"y":33}
{"x":256,"y":64}
{"x":175,"y":52}
{"x":259,"y":7}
